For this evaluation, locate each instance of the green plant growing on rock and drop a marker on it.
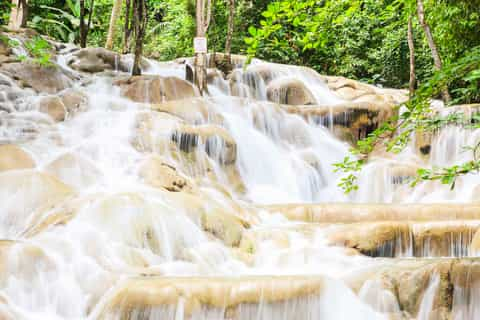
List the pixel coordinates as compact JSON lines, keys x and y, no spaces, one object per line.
{"x":40,"y":51}
{"x":418,"y":116}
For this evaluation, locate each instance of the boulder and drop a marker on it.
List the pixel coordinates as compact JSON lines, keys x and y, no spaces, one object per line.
{"x":215,"y":140}
{"x":51,"y":79}
{"x":430,"y":289}
{"x":378,"y":239}
{"x":74,"y":170}
{"x":36,"y":191}
{"x":153,"y":131}
{"x":193,"y":110}
{"x":13,"y":158}
{"x":155,"y":89}
{"x":357,"y":91}
{"x":60,"y":107}
{"x":201,"y":297}
{"x":289,"y":91}
{"x":349,"y":121}
{"x":158,"y":173}
{"x":94,"y":60}
{"x":224,"y":220}
{"x":414,"y":239}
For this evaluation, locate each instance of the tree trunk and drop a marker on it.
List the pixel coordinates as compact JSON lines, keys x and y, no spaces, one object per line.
{"x":117,"y":5}
{"x":203,"y":13}
{"x":140,"y":12}
{"x":228,"y":41}
{"x":18,"y":14}
{"x":411,"y":47}
{"x":90,"y":14}
{"x":83,"y":27}
{"x":127,"y":28}
{"x":431,"y":43}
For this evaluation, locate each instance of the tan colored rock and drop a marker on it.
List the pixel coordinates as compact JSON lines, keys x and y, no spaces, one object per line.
{"x":351,"y":120}
{"x":13,"y":158}
{"x":239,"y":89}
{"x":226,"y":222}
{"x":74,"y":170}
{"x":145,"y":294}
{"x":50,"y":79}
{"x":423,"y":143}
{"x":384,"y":239}
{"x":36,"y":191}
{"x":475,"y":244}
{"x":153,"y":131}
{"x":444,"y":238}
{"x":349,"y":213}
{"x":289,"y":91}
{"x":396,"y":238}
{"x":155,"y":89}
{"x":160,"y":174}
{"x":62,"y":106}
{"x":193,"y":110}
{"x":216,"y":141}
{"x":96,"y":60}
{"x":213,"y":75}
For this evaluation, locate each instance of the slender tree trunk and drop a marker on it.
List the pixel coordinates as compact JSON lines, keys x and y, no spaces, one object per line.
{"x":203,"y":14}
{"x":90,"y":15}
{"x":231,"y":21}
{"x":431,"y":43}
{"x":83,"y":27}
{"x":140,"y":12}
{"x":18,"y":14}
{"x":127,"y":27}
{"x":411,"y":47}
{"x":117,"y":5}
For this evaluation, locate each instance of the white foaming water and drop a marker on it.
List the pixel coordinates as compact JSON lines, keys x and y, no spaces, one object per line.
{"x":72,"y":241}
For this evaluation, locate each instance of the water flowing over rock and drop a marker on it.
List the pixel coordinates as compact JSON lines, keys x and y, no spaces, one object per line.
{"x":156,"y":89}
{"x":97,"y":60}
{"x":136,"y":198}
{"x":46,"y":79}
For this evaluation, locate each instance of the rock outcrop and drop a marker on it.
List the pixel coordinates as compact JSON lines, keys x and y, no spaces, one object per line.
{"x":42,"y":79}
{"x":13,"y":157}
{"x":155,"y":89}
{"x":289,"y":91}
{"x":63,"y":105}
{"x":95,"y":60}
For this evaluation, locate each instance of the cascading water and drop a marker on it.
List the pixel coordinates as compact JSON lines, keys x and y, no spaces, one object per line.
{"x":140,"y":204}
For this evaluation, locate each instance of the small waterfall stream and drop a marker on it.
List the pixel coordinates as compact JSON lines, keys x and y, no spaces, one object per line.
{"x":180,"y":210}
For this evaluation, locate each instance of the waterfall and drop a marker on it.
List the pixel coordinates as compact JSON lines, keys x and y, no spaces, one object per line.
{"x":142,"y":199}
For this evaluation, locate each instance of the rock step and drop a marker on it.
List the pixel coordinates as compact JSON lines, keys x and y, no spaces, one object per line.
{"x":397,"y":288}
{"x":441,"y":288}
{"x":377,"y":239}
{"x":409,"y":239}
{"x":350,"y":213}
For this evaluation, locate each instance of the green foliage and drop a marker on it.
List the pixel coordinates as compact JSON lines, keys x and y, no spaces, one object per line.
{"x":349,"y":183}
{"x":396,"y":133}
{"x":363,"y":39}
{"x":58,"y":23}
{"x":170,"y":30}
{"x":39,"y":50}
{"x":5,"y":7}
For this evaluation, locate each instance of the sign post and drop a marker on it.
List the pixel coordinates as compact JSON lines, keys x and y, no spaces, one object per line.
{"x":200,"y":44}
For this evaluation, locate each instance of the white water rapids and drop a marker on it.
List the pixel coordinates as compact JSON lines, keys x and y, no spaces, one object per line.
{"x":73,"y":245}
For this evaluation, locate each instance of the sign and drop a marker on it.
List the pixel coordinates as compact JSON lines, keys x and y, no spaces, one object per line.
{"x":200,"y":45}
